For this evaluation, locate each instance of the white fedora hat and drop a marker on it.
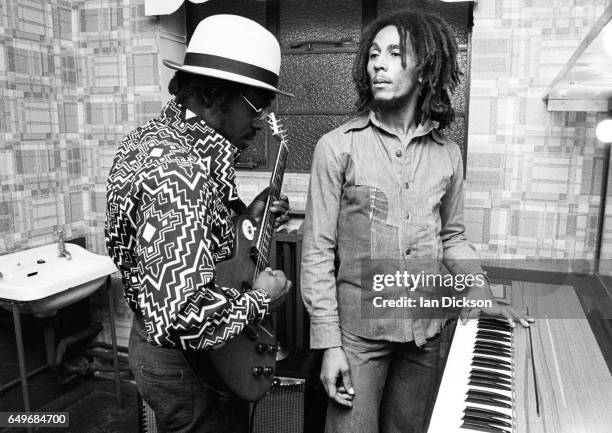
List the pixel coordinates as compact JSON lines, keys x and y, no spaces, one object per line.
{"x":233,"y":48}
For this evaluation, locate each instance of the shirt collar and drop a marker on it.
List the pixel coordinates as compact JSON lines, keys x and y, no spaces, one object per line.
{"x":174,"y":112}
{"x":363,"y":120}
{"x":205,"y":144}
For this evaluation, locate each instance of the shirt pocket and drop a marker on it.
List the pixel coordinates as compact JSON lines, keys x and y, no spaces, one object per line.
{"x":384,"y":237}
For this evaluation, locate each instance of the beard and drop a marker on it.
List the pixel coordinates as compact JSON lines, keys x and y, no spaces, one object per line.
{"x":393,"y":104}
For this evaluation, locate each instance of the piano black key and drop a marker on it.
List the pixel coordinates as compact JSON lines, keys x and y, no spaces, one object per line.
{"x":491,"y":352}
{"x":494,"y":346}
{"x":489,"y":384}
{"x":487,"y":402}
{"x":491,"y":373}
{"x":489,"y":394}
{"x":490,"y":360}
{"x":488,"y":338}
{"x":490,"y":365}
{"x":497,"y":317}
{"x":495,"y":336}
{"x":487,"y":419}
{"x":494,"y":352}
{"x":482,"y":427}
{"x":494,"y":327}
{"x":490,"y":378}
{"x":485,"y":339}
{"x":489,"y":412}
{"x":496,"y":322}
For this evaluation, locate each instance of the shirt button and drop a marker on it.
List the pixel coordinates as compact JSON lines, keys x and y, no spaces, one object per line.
{"x":408,"y":251}
{"x":407,"y":185}
{"x":398,"y":153}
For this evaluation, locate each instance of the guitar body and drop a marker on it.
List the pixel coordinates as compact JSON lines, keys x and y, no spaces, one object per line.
{"x":246,"y":362}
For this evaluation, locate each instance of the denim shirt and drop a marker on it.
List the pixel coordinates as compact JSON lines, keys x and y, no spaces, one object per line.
{"x":375,"y":195}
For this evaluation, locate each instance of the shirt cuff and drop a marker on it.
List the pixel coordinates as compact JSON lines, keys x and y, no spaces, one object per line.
{"x":261,"y":304}
{"x":325,"y":333}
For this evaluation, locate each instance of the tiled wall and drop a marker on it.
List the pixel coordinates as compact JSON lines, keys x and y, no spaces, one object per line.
{"x":75,"y":76}
{"x":533,"y":176}
{"x":41,"y":157}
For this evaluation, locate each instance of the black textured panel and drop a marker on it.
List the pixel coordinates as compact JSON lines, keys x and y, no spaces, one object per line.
{"x":256,"y":152}
{"x":456,"y":132}
{"x":303,"y":133}
{"x":456,"y":14}
{"x":319,"y":81}
{"x":319,"y":20}
{"x":459,"y":97}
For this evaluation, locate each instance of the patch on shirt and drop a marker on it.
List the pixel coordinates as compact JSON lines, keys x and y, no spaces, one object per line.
{"x":148,"y":232}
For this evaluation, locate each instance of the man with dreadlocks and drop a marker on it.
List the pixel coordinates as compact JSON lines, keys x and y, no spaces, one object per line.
{"x":387,"y":185}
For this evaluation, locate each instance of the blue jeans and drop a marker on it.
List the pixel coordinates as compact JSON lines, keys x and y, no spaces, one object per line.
{"x":394,"y":385}
{"x":181,"y":401}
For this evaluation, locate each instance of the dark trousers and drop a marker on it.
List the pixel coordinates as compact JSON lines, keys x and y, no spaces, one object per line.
{"x":395,"y":385}
{"x":182,"y":402}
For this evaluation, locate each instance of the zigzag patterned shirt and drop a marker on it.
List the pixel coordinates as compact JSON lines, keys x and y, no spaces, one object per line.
{"x":168,"y":223}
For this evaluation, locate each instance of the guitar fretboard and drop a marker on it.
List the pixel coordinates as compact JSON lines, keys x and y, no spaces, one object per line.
{"x":266,"y":230}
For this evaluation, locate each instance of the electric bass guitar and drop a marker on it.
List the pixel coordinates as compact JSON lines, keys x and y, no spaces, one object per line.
{"x":246,"y":362}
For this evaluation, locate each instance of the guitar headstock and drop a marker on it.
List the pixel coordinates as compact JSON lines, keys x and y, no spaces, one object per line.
{"x":278,"y":130}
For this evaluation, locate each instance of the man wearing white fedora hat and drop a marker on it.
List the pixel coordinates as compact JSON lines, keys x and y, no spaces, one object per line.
{"x":171,"y":194}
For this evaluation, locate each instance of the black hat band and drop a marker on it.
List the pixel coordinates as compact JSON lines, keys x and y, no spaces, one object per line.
{"x":232,"y":66}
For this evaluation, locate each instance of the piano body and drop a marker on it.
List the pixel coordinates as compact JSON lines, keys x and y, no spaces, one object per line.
{"x":551,"y":378}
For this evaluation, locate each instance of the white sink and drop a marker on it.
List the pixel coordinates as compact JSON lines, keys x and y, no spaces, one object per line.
{"x":40,"y":282}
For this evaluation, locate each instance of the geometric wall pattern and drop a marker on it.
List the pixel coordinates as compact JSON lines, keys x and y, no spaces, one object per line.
{"x":534,"y":176}
{"x":75,"y":77}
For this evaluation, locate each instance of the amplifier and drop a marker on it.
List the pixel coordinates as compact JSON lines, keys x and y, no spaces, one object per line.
{"x":281,"y":410}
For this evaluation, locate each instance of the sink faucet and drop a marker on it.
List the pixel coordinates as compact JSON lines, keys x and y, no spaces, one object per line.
{"x":61,"y":246}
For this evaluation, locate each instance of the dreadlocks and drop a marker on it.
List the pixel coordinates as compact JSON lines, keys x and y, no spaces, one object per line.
{"x":435,"y":52}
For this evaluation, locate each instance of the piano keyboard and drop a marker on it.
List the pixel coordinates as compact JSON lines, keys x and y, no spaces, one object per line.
{"x":476,"y":393}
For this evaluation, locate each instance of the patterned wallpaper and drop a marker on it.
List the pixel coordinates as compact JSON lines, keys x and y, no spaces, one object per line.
{"x":534,"y":176}
{"x":75,"y":76}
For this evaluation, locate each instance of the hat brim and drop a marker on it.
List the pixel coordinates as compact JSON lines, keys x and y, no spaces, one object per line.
{"x":229,"y":76}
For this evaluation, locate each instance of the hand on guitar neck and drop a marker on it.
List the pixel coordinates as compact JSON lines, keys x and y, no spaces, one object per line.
{"x":275,"y":283}
{"x":279,"y":208}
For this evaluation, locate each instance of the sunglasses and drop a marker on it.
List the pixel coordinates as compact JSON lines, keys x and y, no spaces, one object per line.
{"x":261,"y":113}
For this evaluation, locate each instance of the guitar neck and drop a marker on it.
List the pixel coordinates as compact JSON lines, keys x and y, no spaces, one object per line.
{"x":266,"y":230}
